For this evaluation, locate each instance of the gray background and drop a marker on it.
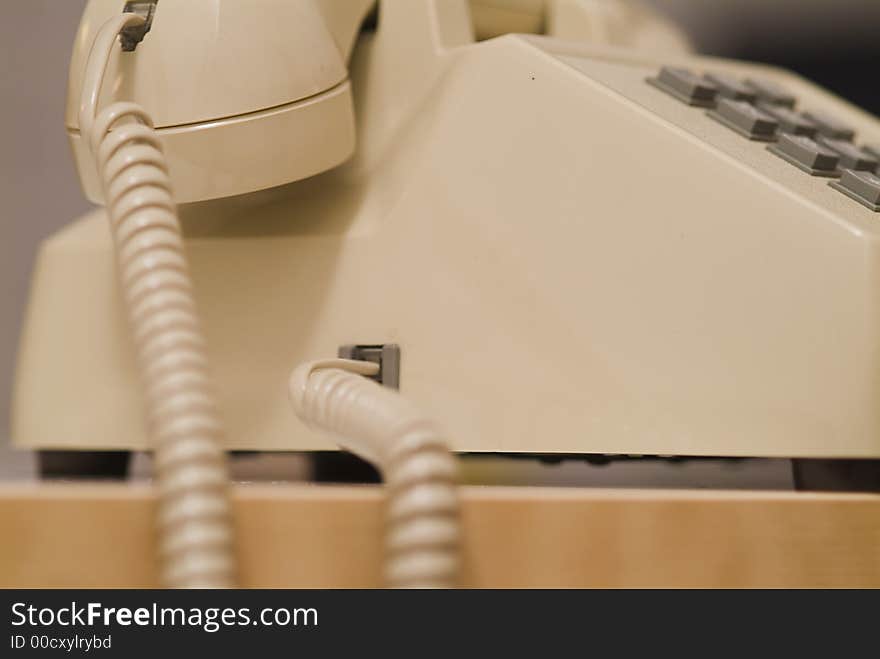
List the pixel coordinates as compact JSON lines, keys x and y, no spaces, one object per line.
{"x":833,"y":42}
{"x":39,"y":191}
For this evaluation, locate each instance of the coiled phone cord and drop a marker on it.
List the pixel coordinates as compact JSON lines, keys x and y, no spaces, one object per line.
{"x":423,"y":530}
{"x":194,"y":520}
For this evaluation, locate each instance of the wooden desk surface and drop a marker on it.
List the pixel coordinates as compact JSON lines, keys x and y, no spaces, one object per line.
{"x":297,"y":535}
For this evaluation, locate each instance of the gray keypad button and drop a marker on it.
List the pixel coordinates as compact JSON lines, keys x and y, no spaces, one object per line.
{"x":864,"y":187}
{"x":829,"y":126}
{"x":851,"y":156}
{"x":686,"y":86}
{"x":745,"y":119}
{"x":731,"y":87}
{"x":790,"y":121}
{"x":807,"y":154}
{"x":873,"y":149}
{"x":771,"y":92}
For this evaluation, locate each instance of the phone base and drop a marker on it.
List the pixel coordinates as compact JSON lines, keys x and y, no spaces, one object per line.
{"x":570,"y":260}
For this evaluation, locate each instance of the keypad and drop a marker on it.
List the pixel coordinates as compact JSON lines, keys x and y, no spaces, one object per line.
{"x":813,"y":140}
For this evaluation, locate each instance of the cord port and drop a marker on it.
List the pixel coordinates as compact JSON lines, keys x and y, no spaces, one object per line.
{"x":386,"y":355}
{"x":132,"y":35}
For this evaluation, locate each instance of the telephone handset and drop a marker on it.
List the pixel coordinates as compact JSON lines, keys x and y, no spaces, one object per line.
{"x":244,"y":95}
{"x":589,"y":243}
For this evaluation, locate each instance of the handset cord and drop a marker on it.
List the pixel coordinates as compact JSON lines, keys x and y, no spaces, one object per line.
{"x":194,"y":518}
{"x":423,"y":528}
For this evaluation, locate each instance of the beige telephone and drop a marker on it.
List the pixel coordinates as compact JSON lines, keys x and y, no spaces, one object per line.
{"x":582,"y":240}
